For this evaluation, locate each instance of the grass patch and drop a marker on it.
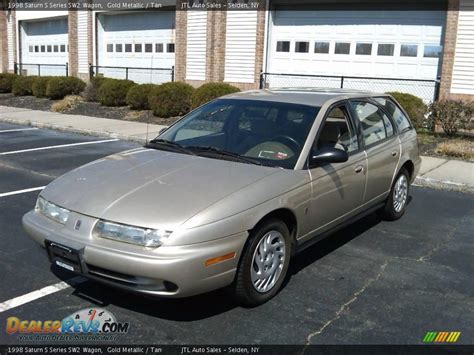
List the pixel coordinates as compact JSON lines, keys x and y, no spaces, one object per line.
{"x":66,"y":104}
{"x":426,"y":138}
{"x":458,"y":148}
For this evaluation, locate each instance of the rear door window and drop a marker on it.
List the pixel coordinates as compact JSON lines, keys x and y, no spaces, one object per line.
{"x":400,"y":119}
{"x":375,"y":124}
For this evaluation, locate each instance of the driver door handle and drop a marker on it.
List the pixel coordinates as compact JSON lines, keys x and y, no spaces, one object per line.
{"x":359,"y":169}
{"x":394,"y":153}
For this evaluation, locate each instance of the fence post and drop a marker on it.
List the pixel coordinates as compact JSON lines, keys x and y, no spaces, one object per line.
{"x":342,"y":82}
{"x":15,"y":68}
{"x":91,"y":71}
{"x":172,"y":73}
{"x":262,"y":81}
{"x":437,"y":88}
{"x":126,"y":73}
{"x":39,"y":69}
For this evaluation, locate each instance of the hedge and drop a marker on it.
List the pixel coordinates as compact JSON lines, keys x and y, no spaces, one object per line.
{"x":211,"y":91}
{"x":137,"y":97}
{"x":39,"y":86}
{"x":452,"y":115}
{"x":415,"y":107}
{"x":6,"y":82}
{"x":171,"y":99}
{"x":61,"y":86}
{"x":92,"y":88}
{"x":22,"y":85}
{"x":113,"y":92}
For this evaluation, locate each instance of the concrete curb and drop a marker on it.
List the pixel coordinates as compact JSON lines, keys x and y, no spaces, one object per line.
{"x":441,"y":184}
{"x":70,"y":129}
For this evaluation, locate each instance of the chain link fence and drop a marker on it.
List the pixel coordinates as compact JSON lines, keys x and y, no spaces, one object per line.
{"x":427,"y":90}
{"x":136,"y":74}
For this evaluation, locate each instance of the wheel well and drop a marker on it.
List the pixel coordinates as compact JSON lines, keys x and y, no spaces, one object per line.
{"x":410,"y":168}
{"x":287,"y":217}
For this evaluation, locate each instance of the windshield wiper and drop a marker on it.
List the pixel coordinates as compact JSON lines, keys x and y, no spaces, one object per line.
{"x":158,"y":143}
{"x":224,"y":153}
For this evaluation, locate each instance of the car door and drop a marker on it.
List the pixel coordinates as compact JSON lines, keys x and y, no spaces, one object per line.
{"x":337,"y":188}
{"x":381,"y":145}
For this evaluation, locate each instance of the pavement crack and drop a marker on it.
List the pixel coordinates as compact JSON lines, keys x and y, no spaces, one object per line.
{"x":339,"y":312}
{"x":438,"y":246}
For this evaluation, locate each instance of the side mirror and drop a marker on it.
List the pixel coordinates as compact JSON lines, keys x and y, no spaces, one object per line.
{"x":328,"y":155}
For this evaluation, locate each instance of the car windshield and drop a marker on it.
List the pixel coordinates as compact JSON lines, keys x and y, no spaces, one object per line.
{"x":249,"y":131}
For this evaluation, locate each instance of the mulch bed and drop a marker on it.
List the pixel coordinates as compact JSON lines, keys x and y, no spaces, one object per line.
{"x":87,"y":109}
{"x":30,"y":102}
{"x":428,"y":143}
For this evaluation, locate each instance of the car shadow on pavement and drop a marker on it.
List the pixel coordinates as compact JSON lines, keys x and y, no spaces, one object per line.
{"x":216,"y":302}
{"x":331,"y":242}
{"x":179,"y":309}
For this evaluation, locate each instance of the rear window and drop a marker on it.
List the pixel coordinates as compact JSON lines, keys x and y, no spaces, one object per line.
{"x":401,"y":120}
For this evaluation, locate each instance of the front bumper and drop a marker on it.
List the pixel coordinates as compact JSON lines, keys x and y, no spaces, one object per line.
{"x":168,"y":271}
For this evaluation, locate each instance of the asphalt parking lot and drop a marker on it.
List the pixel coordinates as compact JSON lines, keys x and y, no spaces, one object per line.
{"x":373,"y":282}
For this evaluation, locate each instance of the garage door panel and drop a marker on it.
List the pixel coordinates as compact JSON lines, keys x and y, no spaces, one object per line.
{"x":44,"y":42}
{"x":143,"y":40}
{"x":374,"y":27}
{"x":381,"y":69}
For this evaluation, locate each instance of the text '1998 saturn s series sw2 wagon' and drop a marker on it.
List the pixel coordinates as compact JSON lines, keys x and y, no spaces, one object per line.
{"x":230,"y":192}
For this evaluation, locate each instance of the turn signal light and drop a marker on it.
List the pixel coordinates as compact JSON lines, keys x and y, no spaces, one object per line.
{"x":219,"y":259}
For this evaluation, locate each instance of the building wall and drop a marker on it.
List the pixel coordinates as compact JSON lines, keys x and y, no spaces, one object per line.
{"x":229,"y":46}
{"x":449,"y":48}
{"x":462,"y":81}
{"x":240,"y":46}
{"x":3,"y":42}
{"x":11,"y":40}
{"x":196,"y":45}
{"x":72,"y":40}
{"x":457,"y":74}
{"x":216,"y":39}
{"x":84,"y":43}
{"x":180,"y":42}
{"x":258,"y":55}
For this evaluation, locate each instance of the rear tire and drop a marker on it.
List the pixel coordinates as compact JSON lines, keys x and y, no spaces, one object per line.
{"x":396,"y":202}
{"x":264,"y":264}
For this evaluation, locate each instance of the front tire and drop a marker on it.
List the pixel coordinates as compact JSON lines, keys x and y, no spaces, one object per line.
{"x":264,"y":263}
{"x":397,"y":200}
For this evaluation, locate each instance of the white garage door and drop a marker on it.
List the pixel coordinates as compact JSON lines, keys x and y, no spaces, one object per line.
{"x":382,"y":44}
{"x":44,"y":42}
{"x":137,"y":40}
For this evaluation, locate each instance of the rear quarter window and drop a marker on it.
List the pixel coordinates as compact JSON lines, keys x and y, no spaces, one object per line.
{"x":401,"y":120}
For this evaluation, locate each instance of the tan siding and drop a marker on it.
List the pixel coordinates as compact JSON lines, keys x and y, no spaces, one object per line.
{"x":240,"y":50}
{"x":83,"y":41}
{"x":11,"y":41}
{"x":463,"y":69}
{"x":196,"y":45}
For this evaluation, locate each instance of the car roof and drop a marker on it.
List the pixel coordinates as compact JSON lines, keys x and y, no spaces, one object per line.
{"x":303,"y":96}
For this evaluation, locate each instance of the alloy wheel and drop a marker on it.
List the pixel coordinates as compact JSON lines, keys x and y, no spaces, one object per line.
{"x":268,"y":260}
{"x":400,"y":193}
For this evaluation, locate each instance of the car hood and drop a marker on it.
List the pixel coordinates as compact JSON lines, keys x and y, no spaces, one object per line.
{"x":151,"y":188}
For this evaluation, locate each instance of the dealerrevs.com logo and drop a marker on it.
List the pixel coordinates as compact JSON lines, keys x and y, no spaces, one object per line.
{"x":89,"y":323}
{"x":441,"y":337}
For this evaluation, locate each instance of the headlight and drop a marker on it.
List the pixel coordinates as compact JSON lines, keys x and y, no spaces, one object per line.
{"x":52,"y":211}
{"x":129,"y":234}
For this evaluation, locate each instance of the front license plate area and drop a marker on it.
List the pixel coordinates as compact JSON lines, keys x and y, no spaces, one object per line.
{"x":64,"y":257}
